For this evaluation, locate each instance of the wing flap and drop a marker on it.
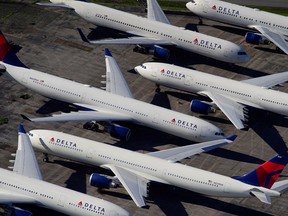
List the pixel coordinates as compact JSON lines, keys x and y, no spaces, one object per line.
{"x":176,"y":154}
{"x":135,"y":185}
{"x":232,"y":109}
{"x":115,"y":81}
{"x":25,"y":160}
{"x":277,"y":38}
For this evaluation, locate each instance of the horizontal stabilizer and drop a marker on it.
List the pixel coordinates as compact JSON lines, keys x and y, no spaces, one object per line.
{"x":262,"y":196}
{"x":280,"y":186}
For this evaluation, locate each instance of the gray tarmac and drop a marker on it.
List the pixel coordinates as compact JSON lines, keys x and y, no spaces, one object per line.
{"x":49,"y":42}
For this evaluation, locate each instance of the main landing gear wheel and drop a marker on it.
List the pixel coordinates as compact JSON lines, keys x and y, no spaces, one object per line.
{"x":157,"y":90}
{"x":46,"y":158}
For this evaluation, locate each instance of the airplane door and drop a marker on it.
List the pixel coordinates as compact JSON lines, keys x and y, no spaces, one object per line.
{"x":154,"y":73}
{"x":155,"y":118}
{"x":227,"y":188}
{"x":61,"y":201}
{"x":188,"y":80}
{"x":205,"y":7}
{"x":25,"y":78}
{"x":89,"y":155}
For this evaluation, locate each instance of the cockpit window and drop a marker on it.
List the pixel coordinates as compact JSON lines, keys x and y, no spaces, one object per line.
{"x":143,"y":66}
{"x":219,"y":134}
{"x":242,"y":53}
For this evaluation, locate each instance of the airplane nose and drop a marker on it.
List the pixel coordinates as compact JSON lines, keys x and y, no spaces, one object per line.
{"x":137,"y":69}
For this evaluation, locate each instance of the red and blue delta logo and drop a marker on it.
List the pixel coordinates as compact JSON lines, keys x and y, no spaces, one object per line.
{"x":207,"y":44}
{"x":91,"y":206}
{"x":63,"y":142}
{"x":183,"y":123}
{"x":172,"y":74}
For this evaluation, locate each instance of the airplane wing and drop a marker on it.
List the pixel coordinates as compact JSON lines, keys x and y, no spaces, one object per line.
{"x":268,"y":81}
{"x":135,"y":185}
{"x":154,"y":12}
{"x":177,"y":154}
{"x":53,"y":4}
{"x":82,"y":116}
{"x":232,"y":109}
{"x":25,"y":160}
{"x":277,"y":38}
{"x":130,"y":40}
{"x":115,"y":81}
{"x":9,"y":197}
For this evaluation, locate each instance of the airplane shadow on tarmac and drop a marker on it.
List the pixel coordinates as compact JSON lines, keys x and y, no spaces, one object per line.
{"x":159,"y":194}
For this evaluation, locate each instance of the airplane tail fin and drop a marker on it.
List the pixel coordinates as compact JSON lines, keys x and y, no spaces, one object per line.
{"x":267,"y":173}
{"x":7,"y":54}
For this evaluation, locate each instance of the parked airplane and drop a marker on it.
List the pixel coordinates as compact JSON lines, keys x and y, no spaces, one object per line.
{"x":134,"y":170}
{"x":153,"y":32}
{"x":233,"y":97}
{"x":272,"y":27}
{"x":114,"y":104}
{"x":25,"y":186}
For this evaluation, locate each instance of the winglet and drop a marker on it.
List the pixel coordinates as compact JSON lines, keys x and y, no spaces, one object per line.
{"x":83,"y":37}
{"x":25,"y":117}
{"x":107,"y":52}
{"x":21,"y":129}
{"x":232,"y":138}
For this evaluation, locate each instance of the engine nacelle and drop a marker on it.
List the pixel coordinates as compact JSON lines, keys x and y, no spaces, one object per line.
{"x":256,"y":39}
{"x":201,"y":107}
{"x":101,"y":181}
{"x":20,"y":212}
{"x":119,"y":132}
{"x":157,"y":51}
{"x":160,"y":52}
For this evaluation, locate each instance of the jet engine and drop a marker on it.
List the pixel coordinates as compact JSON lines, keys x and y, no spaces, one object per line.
{"x":119,"y":132}
{"x":101,"y":181}
{"x":160,"y":52}
{"x":201,"y":107}
{"x":256,"y":39}
{"x":156,"y":51}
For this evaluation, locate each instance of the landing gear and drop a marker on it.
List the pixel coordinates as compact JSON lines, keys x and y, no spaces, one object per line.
{"x":157,"y":90}
{"x":91,"y":125}
{"x":200,"y":21}
{"x":46,"y":158}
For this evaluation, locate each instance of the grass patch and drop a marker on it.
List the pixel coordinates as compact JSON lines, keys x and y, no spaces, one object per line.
{"x":3,"y":120}
{"x":276,"y":10}
{"x":25,"y":96}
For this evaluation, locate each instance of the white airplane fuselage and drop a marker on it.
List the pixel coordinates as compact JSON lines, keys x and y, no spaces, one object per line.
{"x":196,"y":81}
{"x":41,"y":193}
{"x":142,"y":113}
{"x":136,"y":25}
{"x":149,"y":167}
{"x":238,"y":15}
